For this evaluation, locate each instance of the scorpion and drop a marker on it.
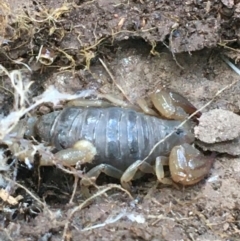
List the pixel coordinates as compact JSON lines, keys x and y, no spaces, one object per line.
{"x":115,"y":140}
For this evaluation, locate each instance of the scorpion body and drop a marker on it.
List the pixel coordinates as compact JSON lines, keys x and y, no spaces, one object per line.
{"x":121,"y":136}
{"x":116,"y":140}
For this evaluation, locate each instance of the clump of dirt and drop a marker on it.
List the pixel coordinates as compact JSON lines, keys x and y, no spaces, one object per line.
{"x":219,"y":131}
{"x":220,"y":124}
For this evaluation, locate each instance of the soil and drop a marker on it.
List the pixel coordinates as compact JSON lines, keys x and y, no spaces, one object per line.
{"x":145,"y":44}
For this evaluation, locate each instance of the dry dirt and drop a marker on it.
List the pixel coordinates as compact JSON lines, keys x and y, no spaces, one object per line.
{"x":145,"y":44}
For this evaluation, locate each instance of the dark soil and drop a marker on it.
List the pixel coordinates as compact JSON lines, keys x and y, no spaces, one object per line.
{"x":145,"y":44}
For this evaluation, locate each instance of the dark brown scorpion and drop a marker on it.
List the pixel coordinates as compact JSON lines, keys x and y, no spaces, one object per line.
{"x":115,"y":140}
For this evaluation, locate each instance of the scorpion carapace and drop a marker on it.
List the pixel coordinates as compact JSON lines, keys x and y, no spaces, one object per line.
{"x":115,"y":140}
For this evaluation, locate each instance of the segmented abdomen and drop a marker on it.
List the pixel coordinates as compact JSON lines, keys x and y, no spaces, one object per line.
{"x":121,"y":136}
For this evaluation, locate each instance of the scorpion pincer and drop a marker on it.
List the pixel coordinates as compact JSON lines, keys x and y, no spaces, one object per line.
{"x":115,"y":140}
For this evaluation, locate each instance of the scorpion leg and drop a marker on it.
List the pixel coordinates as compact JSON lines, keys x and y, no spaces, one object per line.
{"x":116,"y":101}
{"x":89,"y":103}
{"x":132,"y":172}
{"x":111,"y":171}
{"x":94,"y":173}
{"x":111,"y":101}
{"x":159,"y":164}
